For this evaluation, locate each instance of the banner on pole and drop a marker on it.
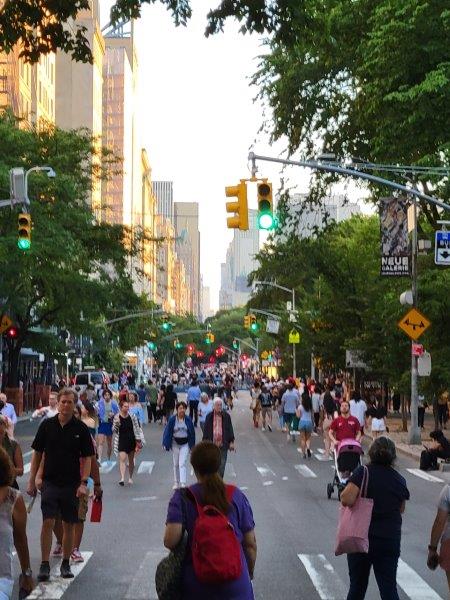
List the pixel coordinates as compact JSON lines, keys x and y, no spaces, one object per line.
{"x":395,"y":250}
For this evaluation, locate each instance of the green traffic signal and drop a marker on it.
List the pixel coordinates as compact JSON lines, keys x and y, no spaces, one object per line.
{"x":265,"y":221}
{"x":24,"y":244}
{"x":151,"y":346}
{"x":166,"y":326}
{"x":254,"y":326}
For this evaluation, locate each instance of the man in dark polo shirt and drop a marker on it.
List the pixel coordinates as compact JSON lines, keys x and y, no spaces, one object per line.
{"x":65,"y":445}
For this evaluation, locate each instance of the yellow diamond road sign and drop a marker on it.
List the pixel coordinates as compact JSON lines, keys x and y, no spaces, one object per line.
{"x":5,"y":323}
{"x":294,"y":337}
{"x":414,"y":323}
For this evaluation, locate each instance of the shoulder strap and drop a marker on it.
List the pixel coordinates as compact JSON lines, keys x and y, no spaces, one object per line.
{"x":364,"y":483}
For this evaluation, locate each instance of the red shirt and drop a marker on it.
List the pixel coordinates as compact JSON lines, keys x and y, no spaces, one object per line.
{"x":345,"y":428}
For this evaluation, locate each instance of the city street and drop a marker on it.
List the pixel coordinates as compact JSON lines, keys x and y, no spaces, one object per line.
{"x":295,"y":522}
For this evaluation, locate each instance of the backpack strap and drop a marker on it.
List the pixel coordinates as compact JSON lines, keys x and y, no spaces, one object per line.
{"x":229,"y":489}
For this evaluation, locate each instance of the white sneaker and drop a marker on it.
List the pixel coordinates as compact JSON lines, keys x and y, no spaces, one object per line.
{"x":183,"y":485}
{"x":263,"y":428}
{"x":175,"y":486}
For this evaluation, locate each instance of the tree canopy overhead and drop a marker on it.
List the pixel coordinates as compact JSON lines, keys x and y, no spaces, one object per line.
{"x":40,"y":27}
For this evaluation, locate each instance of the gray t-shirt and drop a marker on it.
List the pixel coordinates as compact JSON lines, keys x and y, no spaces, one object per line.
{"x":290,"y":400}
{"x":444,"y":504}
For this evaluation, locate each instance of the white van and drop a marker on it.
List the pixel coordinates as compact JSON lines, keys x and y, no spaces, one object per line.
{"x":94,"y":378}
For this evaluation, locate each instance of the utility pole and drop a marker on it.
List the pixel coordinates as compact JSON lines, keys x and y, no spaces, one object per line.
{"x":414,"y":435}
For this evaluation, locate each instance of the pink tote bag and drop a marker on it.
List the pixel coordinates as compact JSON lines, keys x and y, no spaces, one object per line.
{"x":353,"y":527}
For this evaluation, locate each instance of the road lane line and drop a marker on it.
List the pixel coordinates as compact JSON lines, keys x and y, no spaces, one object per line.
{"x":424,"y":475}
{"x":305,"y":471}
{"x":285,"y":478}
{"x":264,"y":470}
{"x":107,"y":466}
{"x":57,"y":586}
{"x":324,"y":578}
{"x":142,"y":586}
{"x":144,"y":498}
{"x":413,"y":585}
{"x":321,"y":450}
{"x":146,"y":466}
{"x":267,"y":482}
{"x":322,"y":457}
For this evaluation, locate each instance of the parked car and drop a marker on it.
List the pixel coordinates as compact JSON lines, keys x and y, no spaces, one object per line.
{"x":95,"y":378}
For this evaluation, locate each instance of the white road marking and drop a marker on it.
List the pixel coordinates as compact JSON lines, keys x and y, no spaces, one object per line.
{"x":243,"y":488}
{"x":107,"y":466}
{"x":321,"y":450}
{"x":322,"y":457}
{"x":144,"y":498}
{"x":143,"y":585}
{"x":26,"y":468}
{"x":424,"y":475}
{"x":285,"y":478}
{"x":192,"y":472}
{"x":413,"y":585}
{"x":267,"y":482}
{"x":264,"y":470}
{"x":305,"y":471}
{"x":146,"y":466}
{"x":230,"y":471}
{"x":324,"y":578}
{"x":57,"y":586}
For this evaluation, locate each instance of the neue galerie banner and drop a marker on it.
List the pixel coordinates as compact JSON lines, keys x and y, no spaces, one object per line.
{"x":395,"y":250}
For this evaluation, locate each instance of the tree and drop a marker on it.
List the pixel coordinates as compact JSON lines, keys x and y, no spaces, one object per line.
{"x":76,"y":272}
{"x":366,"y":79}
{"x":40,"y":27}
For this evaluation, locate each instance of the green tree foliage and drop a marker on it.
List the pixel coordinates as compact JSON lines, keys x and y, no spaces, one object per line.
{"x":344,"y":303}
{"x":75,"y":275}
{"x":365,"y":79}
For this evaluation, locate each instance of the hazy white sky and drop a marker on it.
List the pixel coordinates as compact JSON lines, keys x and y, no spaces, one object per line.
{"x":198,"y":118}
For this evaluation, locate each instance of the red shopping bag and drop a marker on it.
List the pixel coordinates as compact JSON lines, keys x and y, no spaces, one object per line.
{"x":354,"y":522}
{"x":96,"y":512}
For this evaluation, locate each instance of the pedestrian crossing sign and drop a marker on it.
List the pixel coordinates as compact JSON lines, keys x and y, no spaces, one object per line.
{"x":414,"y":323}
{"x":294,"y":337}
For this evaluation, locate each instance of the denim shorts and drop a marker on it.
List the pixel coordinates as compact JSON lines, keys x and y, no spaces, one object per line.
{"x":6,"y":588}
{"x":305,"y":426}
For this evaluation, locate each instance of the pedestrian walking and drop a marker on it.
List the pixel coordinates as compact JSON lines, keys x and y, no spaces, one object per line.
{"x":290,"y":401}
{"x":255,"y":403}
{"x":7,"y":410}
{"x":64,"y":440}
{"x":204,"y":408}
{"x":13,"y":450}
{"x":128,"y":439}
{"x":439,"y":546}
{"x":266,"y":408}
{"x":345,"y":426}
{"x":378,"y":421}
{"x":316,"y":405}
{"x":152,"y":401}
{"x":388,"y":490}
{"x":234,"y":544}
{"x":193,"y":398}
{"x":219,"y":430}
{"x":443,"y":400}
{"x":13,"y":525}
{"x":179,"y":436}
{"x":305,"y":424}
{"x":142,"y":394}
{"x":169,"y":402}
{"x":135,"y":407}
{"x":107,"y":409}
{"x":358,"y":409}
{"x":47,"y":411}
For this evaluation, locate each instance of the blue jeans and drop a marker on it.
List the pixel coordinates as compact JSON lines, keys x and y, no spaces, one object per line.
{"x":383,"y":557}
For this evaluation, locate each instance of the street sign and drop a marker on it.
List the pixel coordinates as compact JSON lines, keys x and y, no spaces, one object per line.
{"x":353,"y":360}
{"x":414,"y":323}
{"x":272,"y":326}
{"x":5,"y":323}
{"x":294,"y":337}
{"x":442,"y":248}
{"x":417,"y":349}
{"x":424,"y":365}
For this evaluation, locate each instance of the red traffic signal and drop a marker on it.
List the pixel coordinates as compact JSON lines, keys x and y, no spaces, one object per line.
{"x":200,"y":354}
{"x":12,"y":333}
{"x":190,"y":348}
{"x":244,"y":357}
{"x":220,"y":351}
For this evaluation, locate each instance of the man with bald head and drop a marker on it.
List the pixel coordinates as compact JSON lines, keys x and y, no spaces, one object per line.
{"x":219,"y":430}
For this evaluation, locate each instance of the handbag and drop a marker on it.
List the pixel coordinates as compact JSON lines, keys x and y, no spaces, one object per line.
{"x":169,"y":571}
{"x":354,"y":522}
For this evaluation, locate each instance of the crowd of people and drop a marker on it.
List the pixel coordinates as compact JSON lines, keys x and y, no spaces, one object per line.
{"x":80,"y":428}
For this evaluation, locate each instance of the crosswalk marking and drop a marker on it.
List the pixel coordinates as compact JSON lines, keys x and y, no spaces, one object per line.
{"x":320,"y":450}
{"x":424,"y":475}
{"x":230,"y":471}
{"x":57,"y":587}
{"x":413,"y":585}
{"x":305,"y":471}
{"x":322,"y":457}
{"x":143,"y":585}
{"x":325,"y":579}
{"x":146,"y":466}
{"x":144,"y":498}
{"x":268,"y":483}
{"x":264,"y":470}
{"x":107,"y":466}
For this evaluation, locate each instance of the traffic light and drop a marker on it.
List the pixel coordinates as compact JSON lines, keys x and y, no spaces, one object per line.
{"x":209,"y":339}
{"x":247,"y":321}
{"x":190,"y":348}
{"x":235,"y":344}
{"x":177,"y":344}
{"x":166,"y":325}
{"x":253,"y":323}
{"x":151,"y":346}
{"x":265,"y":205}
{"x":220,"y":351}
{"x":12,"y":332}
{"x":239,"y":207}
{"x":24,"y":230}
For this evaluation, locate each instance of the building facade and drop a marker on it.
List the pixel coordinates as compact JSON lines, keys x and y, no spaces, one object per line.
{"x":188,"y":249}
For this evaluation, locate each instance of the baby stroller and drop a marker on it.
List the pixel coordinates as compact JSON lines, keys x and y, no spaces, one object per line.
{"x":347,"y":456}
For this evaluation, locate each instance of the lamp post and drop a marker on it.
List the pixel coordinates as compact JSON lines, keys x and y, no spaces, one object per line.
{"x":292,"y":292}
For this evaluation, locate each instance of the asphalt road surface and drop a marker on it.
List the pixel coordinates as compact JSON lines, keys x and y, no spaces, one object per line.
{"x":295,"y":523}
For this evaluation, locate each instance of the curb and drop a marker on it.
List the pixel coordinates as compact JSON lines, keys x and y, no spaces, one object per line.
{"x":400,"y":448}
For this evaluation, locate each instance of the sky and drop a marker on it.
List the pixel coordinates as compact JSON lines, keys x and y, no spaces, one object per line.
{"x":198,"y":119}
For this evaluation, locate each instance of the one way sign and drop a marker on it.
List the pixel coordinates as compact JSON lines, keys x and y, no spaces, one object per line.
{"x":442,"y":248}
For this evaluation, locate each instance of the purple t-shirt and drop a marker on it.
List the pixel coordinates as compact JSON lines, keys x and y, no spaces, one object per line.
{"x":241,"y":517}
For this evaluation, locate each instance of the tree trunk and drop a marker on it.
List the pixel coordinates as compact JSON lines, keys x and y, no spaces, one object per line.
{"x":404,"y":415}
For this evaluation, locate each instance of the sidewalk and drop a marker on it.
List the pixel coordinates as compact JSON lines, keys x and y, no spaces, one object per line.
{"x":400,"y":438}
